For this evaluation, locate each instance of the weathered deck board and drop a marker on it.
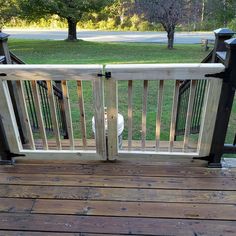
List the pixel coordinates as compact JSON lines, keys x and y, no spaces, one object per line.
{"x":119,"y":182}
{"x":134,"y":209}
{"x":117,"y":194}
{"x":136,"y":196}
{"x":112,"y":225}
{"x":30,"y":233}
{"x":111,"y":169}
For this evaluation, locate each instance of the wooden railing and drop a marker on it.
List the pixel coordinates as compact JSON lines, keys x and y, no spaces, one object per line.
{"x":105,"y":82}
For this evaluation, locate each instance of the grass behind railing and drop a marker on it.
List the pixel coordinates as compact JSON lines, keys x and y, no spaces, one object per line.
{"x":81,"y":52}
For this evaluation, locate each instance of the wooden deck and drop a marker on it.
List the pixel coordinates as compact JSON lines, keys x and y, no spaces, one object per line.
{"x":164,"y":196}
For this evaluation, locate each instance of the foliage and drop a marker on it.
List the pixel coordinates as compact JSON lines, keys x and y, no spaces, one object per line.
{"x":72,"y":10}
{"x":8,"y":9}
{"x":118,"y":15}
{"x":167,"y":12}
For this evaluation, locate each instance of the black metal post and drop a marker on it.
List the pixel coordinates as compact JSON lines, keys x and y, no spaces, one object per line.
{"x":5,"y":155}
{"x":225,"y":105}
{"x":221,"y":35}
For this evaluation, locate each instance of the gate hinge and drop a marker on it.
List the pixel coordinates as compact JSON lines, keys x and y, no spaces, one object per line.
{"x":225,"y":75}
{"x":107,"y":75}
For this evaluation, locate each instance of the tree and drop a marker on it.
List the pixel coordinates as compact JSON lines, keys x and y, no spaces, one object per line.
{"x":8,"y":9}
{"x":71,"y":10}
{"x":166,"y":12}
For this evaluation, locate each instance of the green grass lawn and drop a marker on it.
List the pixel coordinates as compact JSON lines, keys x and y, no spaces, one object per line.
{"x":81,"y":52}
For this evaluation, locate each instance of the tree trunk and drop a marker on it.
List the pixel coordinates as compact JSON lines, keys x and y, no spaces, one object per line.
{"x":72,"y":34}
{"x":170,"y":35}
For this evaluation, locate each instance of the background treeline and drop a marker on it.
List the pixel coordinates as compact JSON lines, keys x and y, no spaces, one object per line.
{"x":198,"y":15}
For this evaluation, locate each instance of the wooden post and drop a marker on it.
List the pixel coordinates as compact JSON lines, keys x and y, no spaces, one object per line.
{"x":4,"y":50}
{"x":221,"y":35}
{"x":225,"y":105}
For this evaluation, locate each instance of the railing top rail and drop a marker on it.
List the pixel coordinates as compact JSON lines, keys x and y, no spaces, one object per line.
{"x":164,"y":71}
{"x":119,"y":72}
{"x":49,"y":72}
{"x":163,"y":66}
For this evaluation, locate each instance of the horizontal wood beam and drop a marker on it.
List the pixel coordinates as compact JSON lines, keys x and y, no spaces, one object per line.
{"x":50,"y":72}
{"x":163,"y":71}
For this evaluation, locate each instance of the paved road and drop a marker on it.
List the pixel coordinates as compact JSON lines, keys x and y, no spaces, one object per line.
{"x":112,"y":36}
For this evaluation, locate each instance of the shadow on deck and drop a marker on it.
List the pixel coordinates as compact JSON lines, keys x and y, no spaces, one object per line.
{"x":162,"y":196}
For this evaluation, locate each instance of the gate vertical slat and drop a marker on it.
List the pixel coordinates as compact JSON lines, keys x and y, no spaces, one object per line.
{"x":8,"y":119}
{"x":53,"y":112}
{"x":23,"y":107}
{"x":39,"y":113}
{"x":69,"y":125}
{"x":112,"y":116}
{"x":189,"y":114}
{"x":130,"y":113}
{"x":159,"y":113}
{"x":174,"y":115}
{"x":100,"y":136}
{"x":144,"y":114}
{"x":82,"y":112}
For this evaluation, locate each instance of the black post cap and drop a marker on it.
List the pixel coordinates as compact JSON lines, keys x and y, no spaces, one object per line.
{"x":230,"y":43}
{"x":3,"y":36}
{"x":224,"y":31}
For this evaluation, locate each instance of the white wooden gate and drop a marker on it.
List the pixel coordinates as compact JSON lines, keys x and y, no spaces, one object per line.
{"x":105,"y":82}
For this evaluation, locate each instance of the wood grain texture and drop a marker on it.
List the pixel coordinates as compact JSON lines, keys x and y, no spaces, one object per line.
{"x":31,"y":233}
{"x":66,"y":102}
{"x":144,"y":114}
{"x":82,"y":112}
{"x":51,"y":72}
{"x":112,"y":225}
{"x":38,"y":110}
{"x":119,"y":181}
{"x":8,"y":119}
{"x":99,"y":117}
{"x":209,"y":112}
{"x":163,"y":71}
{"x":120,"y":170}
{"x":112,"y":119}
{"x":117,"y":194}
{"x":133,"y":209}
{"x":130,"y":113}
{"x":159,"y":113}
{"x":53,"y":113}
{"x":174,"y":114}
{"x":189,"y":114}
{"x":24,"y":114}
